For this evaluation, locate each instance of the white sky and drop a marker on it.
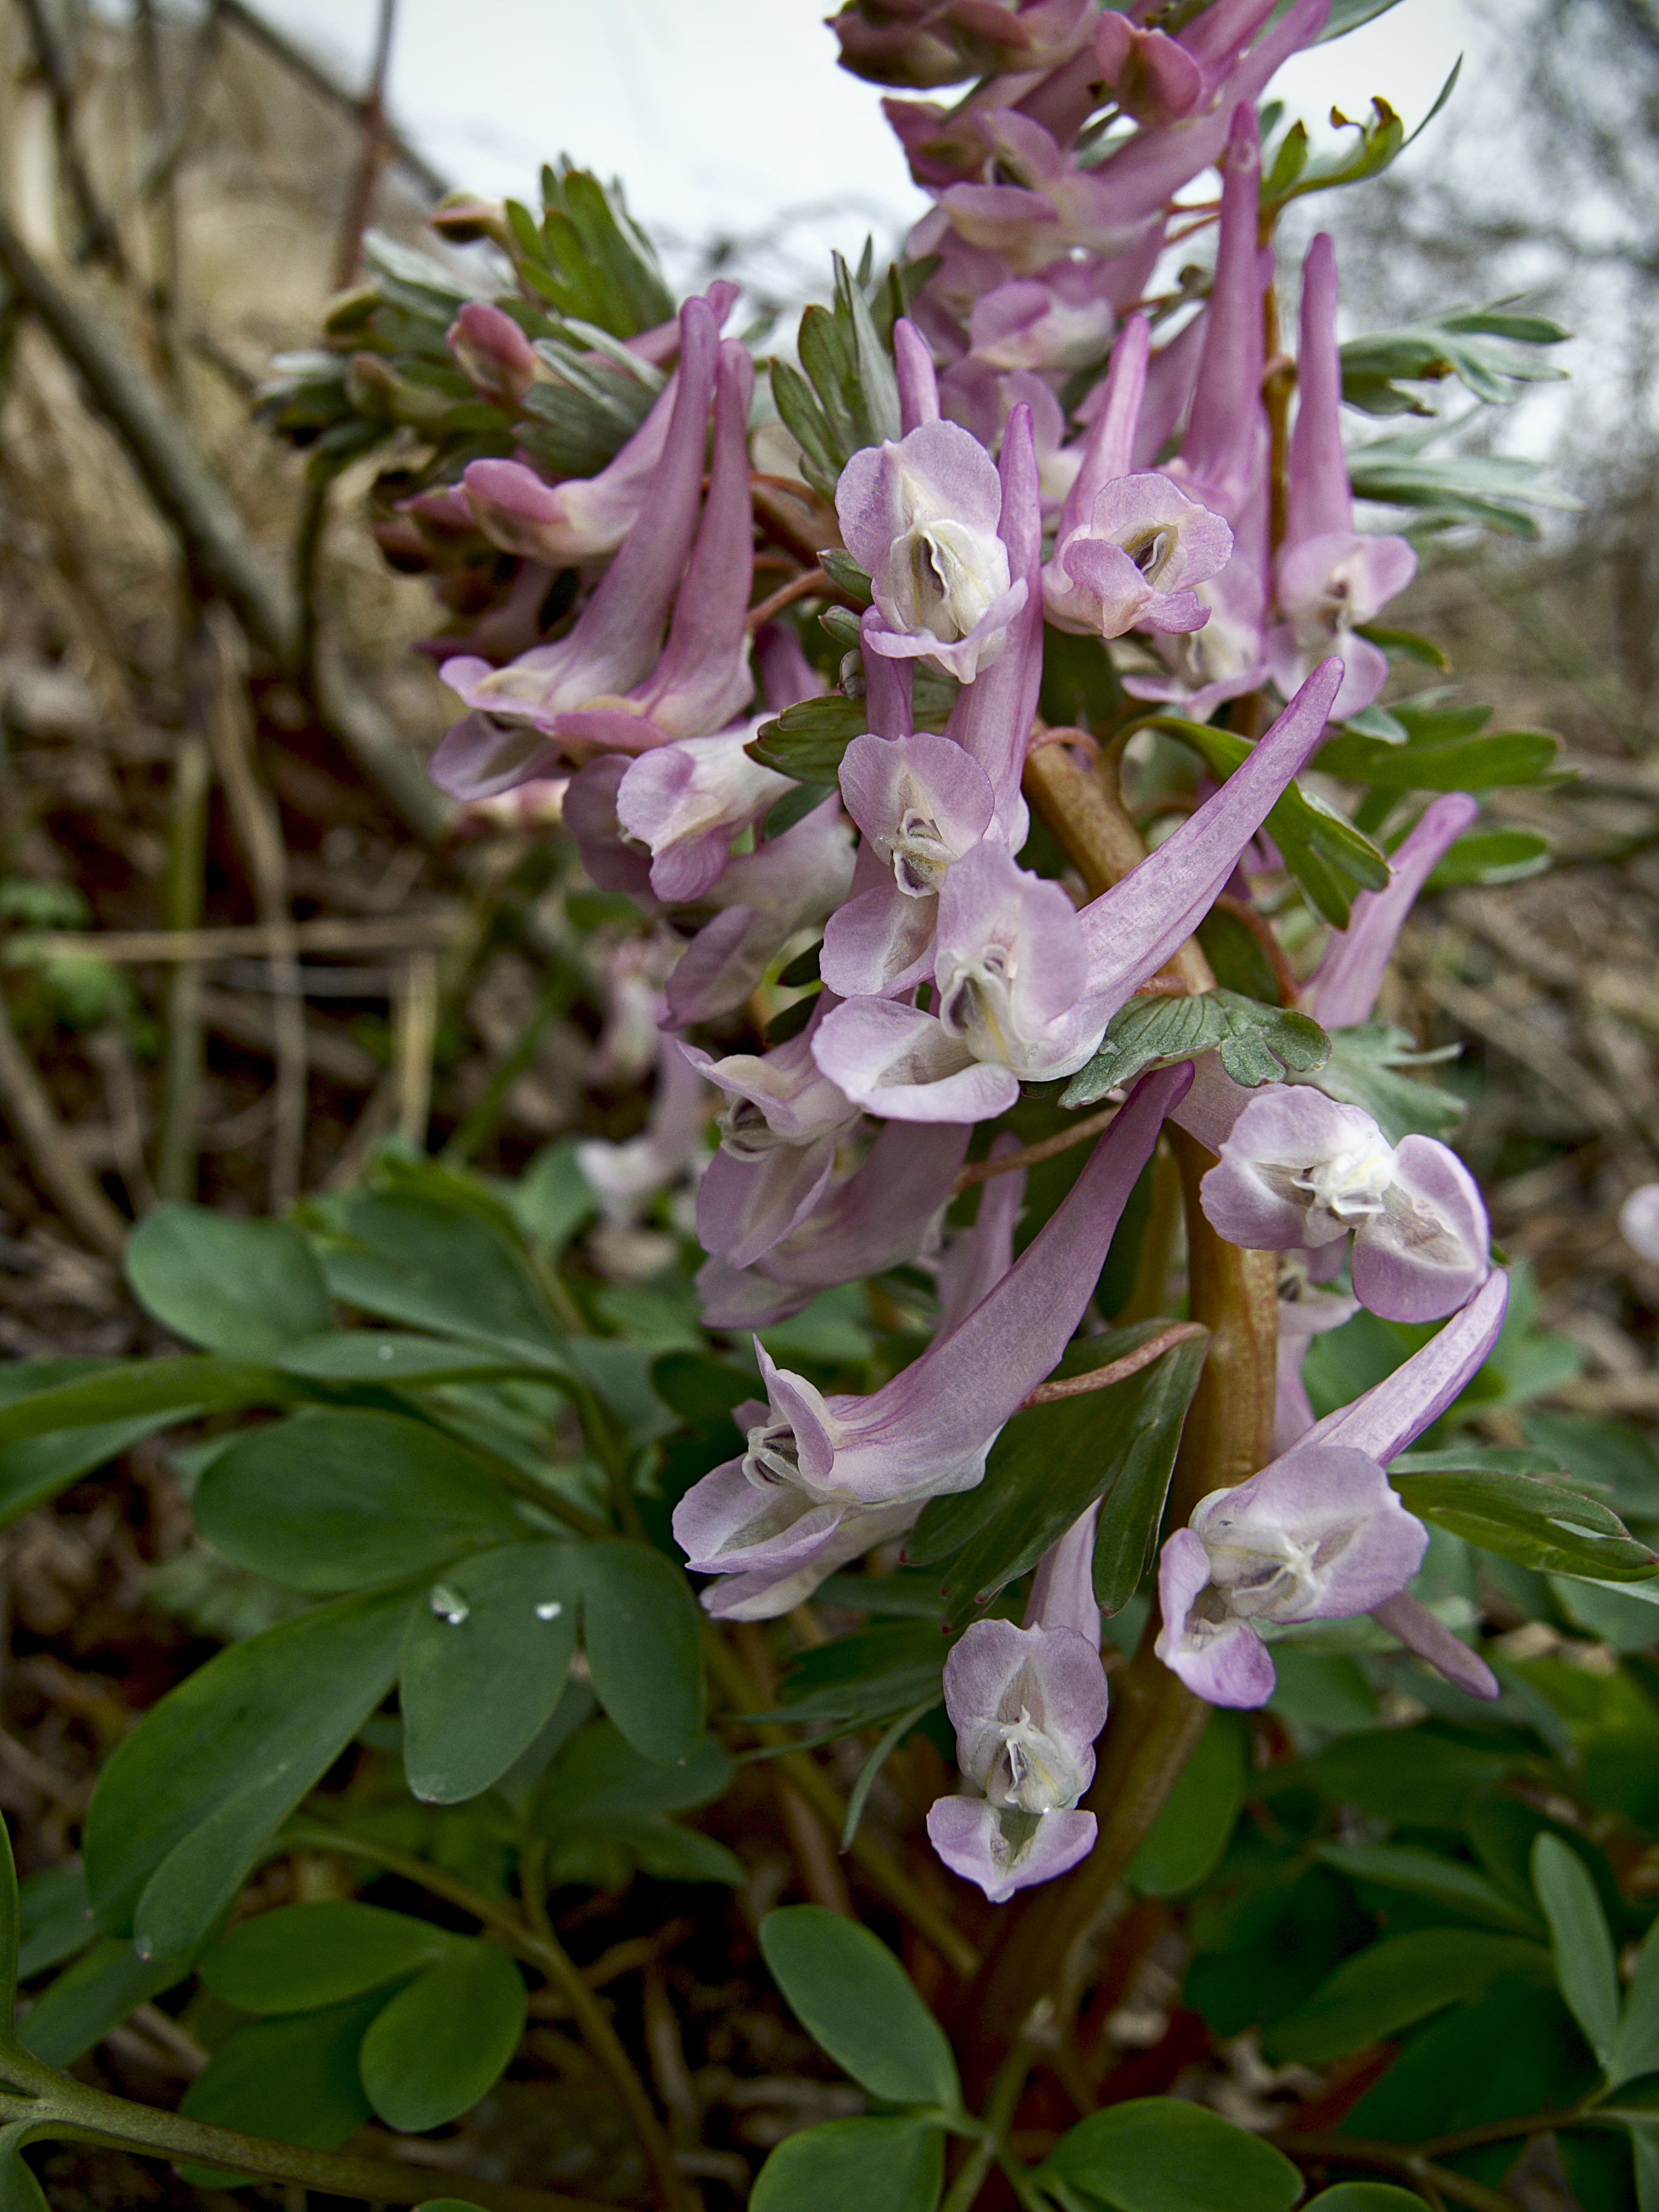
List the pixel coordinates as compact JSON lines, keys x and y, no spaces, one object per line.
{"x":721,"y":114}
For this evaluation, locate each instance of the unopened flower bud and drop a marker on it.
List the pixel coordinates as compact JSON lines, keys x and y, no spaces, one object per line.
{"x":494,"y":352}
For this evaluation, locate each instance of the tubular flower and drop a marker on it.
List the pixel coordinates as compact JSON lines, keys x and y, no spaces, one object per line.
{"x":817,"y":1468}
{"x":1223,"y":455}
{"x":1319,"y":1534}
{"x":781,"y":1132}
{"x":1330,"y":580}
{"x":611,"y":683}
{"x":1301,"y":1169}
{"x":922,"y":516}
{"x":1129,"y":547}
{"x":1027,"y":1705}
{"x":1026,"y":984}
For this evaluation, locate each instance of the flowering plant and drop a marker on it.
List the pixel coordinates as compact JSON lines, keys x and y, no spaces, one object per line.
{"x":968,"y":743}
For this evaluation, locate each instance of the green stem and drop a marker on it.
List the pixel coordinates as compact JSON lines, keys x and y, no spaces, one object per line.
{"x":540,"y":1949}
{"x":999,"y":2112}
{"x":68,"y":2111}
{"x":1403,"y":2159}
{"x":1536,"y":2123}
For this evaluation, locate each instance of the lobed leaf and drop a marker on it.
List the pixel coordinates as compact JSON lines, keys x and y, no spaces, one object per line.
{"x":1395,"y":1983}
{"x":444,"y":2040}
{"x":1255,"y":1043}
{"x":249,"y":1289}
{"x":878,"y":2165}
{"x":485,"y":1663}
{"x":1362,"y":1072}
{"x":1162,"y":2154}
{"x":643,"y":1638}
{"x":302,"y":1958}
{"x":186,"y":1800}
{"x":807,"y":740}
{"x":1533,"y":1524}
{"x":340,"y":1500}
{"x":1585,"y":1967}
{"x":854,"y":1998}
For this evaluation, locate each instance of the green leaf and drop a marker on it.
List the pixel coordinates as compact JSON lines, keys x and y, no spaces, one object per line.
{"x":1329,"y":858}
{"x":878,"y":2165}
{"x":1507,"y":758}
{"x":248,"y":1289}
{"x":1492,"y":856}
{"x":1585,"y":1967}
{"x":866,"y":1676}
{"x":643,"y":1638}
{"x":1490,"y":488}
{"x":1426,"y":1874}
{"x":11,"y":1926}
{"x":341,"y":1500}
{"x":1407,"y":1776}
{"x":91,"y":1996}
{"x":138,"y":1390}
{"x":1399,"y":644}
{"x":443,"y":2043}
{"x":38,"y":1467}
{"x":1636,"y":2047}
{"x":807,"y":741}
{"x":1361,"y":1072}
{"x":1392,"y":1985}
{"x":1644,"y":2156}
{"x":852,"y":576}
{"x":484,"y":1663}
{"x":1257,"y":1044}
{"x":700,"y":1389}
{"x":1238,"y":959}
{"x":1364,"y":2196}
{"x":794,"y":806}
{"x":1162,"y":2154}
{"x":293,"y":2079}
{"x":1515,"y":2049}
{"x":19,"y":2190}
{"x":650,"y":1846}
{"x":1185,"y":1843}
{"x":455,"y":1273}
{"x":54,"y":1919}
{"x":901,"y":1596}
{"x":187,"y":1799}
{"x":301,"y":1958}
{"x":368,"y":1355}
{"x":854,"y":1999}
{"x":600,"y":1779}
{"x":1050,"y":1464}
{"x":1494,"y":353}
{"x":553,"y":1198}
{"x":1619,"y":1615}
{"x":1535,"y":1523}
{"x":1125,"y":1535}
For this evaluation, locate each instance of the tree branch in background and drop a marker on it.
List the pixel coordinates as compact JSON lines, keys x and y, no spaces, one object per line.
{"x":217,"y":549}
{"x":361,"y":205}
{"x":100,"y":239}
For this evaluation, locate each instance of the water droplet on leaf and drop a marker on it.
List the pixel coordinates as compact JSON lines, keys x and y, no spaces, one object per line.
{"x":549,"y":1609}
{"x":448,"y":1604}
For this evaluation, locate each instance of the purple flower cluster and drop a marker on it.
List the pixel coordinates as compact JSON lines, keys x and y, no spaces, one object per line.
{"x":951,"y":975}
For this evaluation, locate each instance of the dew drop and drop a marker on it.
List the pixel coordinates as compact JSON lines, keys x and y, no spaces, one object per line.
{"x":383,"y":1352}
{"x":448,"y":1604}
{"x":549,"y":1609}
